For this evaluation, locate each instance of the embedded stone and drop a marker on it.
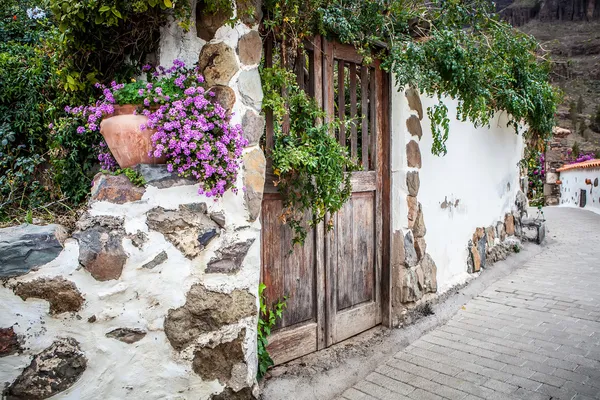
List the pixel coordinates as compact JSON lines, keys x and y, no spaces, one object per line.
{"x":188,"y":228}
{"x":218,"y":362}
{"x":224,"y":95}
{"x":219,"y":218}
{"x":420,"y":247}
{"x":497,"y":253}
{"x":509,"y":224}
{"x":207,"y":22}
{"x":253,"y":126}
{"x":413,"y":210}
{"x":138,"y":239}
{"x":52,"y":371}
{"x":533,"y":230}
{"x":419,"y":229}
{"x":217,"y":63}
{"x":251,"y":88}
{"x":490,"y":234}
{"x":413,"y":182}
{"x":414,"y":101}
{"x":157,"y":260}
{"x":158,"y":176}
{"x":249,"y":11}
{"x":501,"y":231}
{"x":254,"y":182}
{"x":410,"y":287}
{"x":479,"y":232}
{"x":481,"y":249}
{"x":62,"y":294}
{"x":413,"y":154}
{"x":116,"y":189}
{"x":101,"y":250}
{"x":127,"y":335}
{"x":250,"y":48}
{"x":414,"y":126}
{"x":229,"y":259}
{"x":475,"y":258}
{"x":420,"y":278}
{"x":26,"y":247}
{"x":410,"y":254}
{"x":430,"y":274}
{"x":9,"y":342}
{"x":229,"y":394}
{"x":205,"y":311}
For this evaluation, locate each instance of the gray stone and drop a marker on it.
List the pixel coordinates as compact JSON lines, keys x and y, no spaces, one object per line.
{"x":481,"y":248}
{"x":533,"y":230}
{"x":223,"y":95}
{"x":62,"y":294}
{"x":413,"y":182}
{"x":218,"y":362}
{"x":500,"y":231}
{"x":496,"y":253}
{"x":229,"y":259}
{"x":251,"y":88}
{"x":52,"y":371}
{"x":156,"y":261}
{"x":205,"y":311}
{"x":138,"y":239}
{"x":229,"y":394}
{"x":250,"y":48}
{"x":27,"y":247}
{"x":413,"y":154}
{"x":253,"y":126}
{"x":219,"y":218}
{"x":419,"y":228}
{"x":207,"y":23}
{"x":414,"y":101}
{"x":101,"y":250}
{"x":410,"y":286}
{"x":410,"y":254}
{"x":414,"y":126}
{"x":430,"y":274}
{"x":157,"y":175}
{"x":254,"y":182}
{"x":217,"y":63}
{"x":127,"y":335}
{"x":184,"y":227}
{"x":413,"y":210}
{"x":9,"y":342}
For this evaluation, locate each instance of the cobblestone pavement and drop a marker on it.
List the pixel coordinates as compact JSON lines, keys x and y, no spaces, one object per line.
{"x":534,"y":334}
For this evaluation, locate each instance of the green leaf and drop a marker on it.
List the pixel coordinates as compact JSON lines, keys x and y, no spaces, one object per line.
{"x":104,"y":9}
{"x":168,"y":3}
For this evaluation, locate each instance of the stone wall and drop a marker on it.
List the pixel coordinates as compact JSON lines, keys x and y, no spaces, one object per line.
{"x":153,"y":296}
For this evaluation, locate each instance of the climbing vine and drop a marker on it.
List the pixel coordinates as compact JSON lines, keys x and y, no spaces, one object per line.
{"x":455,"y":49}
{"x":311,"y":167}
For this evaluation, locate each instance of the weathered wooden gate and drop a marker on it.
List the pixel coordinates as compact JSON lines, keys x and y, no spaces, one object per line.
{"x":333,"y":282}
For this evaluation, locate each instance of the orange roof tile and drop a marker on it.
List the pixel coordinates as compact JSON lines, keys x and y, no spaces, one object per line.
{"x":586,"y":164}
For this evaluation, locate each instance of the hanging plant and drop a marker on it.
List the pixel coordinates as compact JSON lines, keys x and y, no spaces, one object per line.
{"x":312,"y":168}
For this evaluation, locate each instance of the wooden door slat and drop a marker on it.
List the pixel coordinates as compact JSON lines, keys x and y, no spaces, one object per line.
{"x":353,"y":115}
{"x":342,"y":101}
{"x":364,"y":114}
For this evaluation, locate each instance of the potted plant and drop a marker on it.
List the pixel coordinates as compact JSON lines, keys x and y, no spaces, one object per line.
{"x":169,"y":119}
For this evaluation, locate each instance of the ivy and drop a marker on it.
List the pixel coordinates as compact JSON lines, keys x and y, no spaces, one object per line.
{"x":312,"y":168}
{"x":267,"y":319}
{"x":447,"y":48}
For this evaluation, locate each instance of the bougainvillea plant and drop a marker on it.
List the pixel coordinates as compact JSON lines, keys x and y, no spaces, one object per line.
{"x":536,"y":174}
{"x":192,"y":131}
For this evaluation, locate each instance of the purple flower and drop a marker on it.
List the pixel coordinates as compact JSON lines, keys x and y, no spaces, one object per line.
{"x":81,"y":130}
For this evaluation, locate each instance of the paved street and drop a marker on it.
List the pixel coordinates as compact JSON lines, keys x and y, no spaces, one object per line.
{"x":534,"y":334}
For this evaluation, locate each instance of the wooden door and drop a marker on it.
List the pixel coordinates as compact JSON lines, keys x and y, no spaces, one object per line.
{"x":334,"y":282}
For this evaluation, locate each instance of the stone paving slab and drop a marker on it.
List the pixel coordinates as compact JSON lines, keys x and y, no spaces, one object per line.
{"x":534,"y":334}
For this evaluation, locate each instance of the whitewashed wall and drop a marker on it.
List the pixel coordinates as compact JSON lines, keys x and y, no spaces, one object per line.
{"x":473,"y":185}
{"x":573,"y":181}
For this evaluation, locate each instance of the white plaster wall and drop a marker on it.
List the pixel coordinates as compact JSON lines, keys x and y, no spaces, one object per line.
{"x":573,"y":181}
{"x":140,"y":298}
{"x":479,"y":171}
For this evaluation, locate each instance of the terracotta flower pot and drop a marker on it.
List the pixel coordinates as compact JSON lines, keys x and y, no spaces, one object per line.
{"x":128,"y":143}
{"x":558,"y":181}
